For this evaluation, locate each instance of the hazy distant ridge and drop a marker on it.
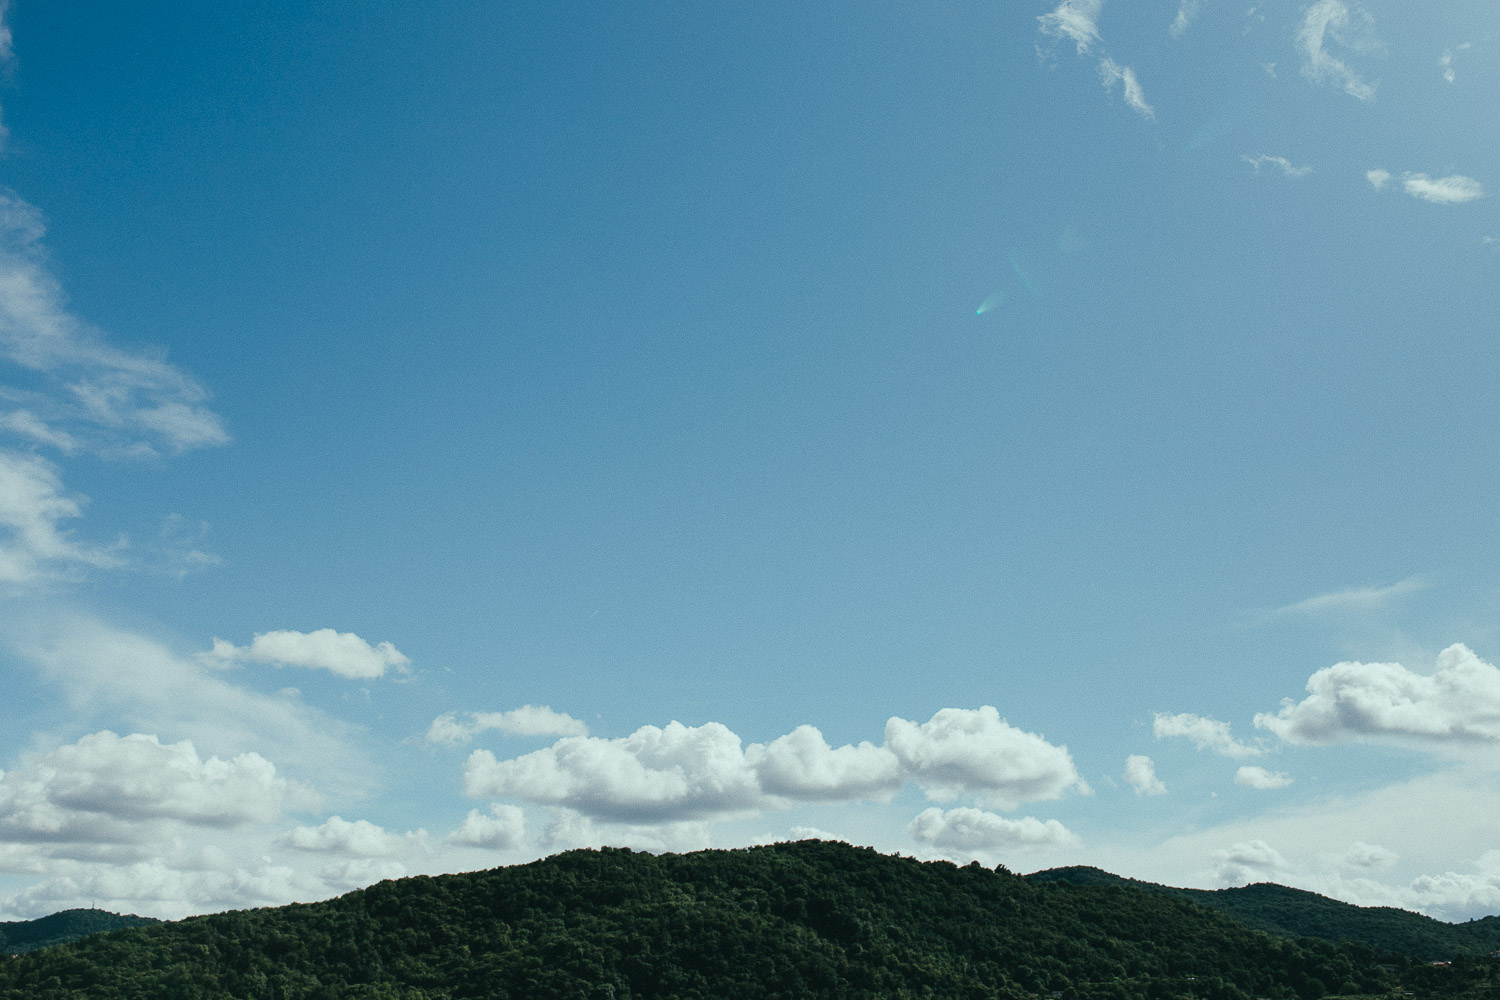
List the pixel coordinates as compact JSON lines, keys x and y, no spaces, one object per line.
{"x":1296,"y":913}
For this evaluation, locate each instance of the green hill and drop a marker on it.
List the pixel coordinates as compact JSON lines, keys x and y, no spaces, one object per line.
{"x":20,"y":936}
{"x":1278,"y":909}
{"x":810,"y":919}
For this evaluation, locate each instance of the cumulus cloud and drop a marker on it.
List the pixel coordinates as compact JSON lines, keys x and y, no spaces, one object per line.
{"x":156,"y":888}
{"x":976,"y":752}
{"x":109,"y":789}
{"x":968,"y":832}
{"x":1367,"y":857}
{"x":688,"y":773}
{"x":1140,"y":774}
{"x":673,"y":773}
{"x":1334,"y":21}
{"x":455,"y":729}
{"x":1455,"y":189}
{"x":135,"y":681}
{"x":1280,"y":162}
{"x":1187,"y":11}
{"x":93,"y":396}
{"x":1204,"y":732}
{"x":1251,"y":860}
{"x":34,"y":547}
{"x":503,"y":829}
{"x":359,"y":838}
{"x":801,"y":765}
{"x":1258,"y":777}
{"x":1457,"y":704}
{"x":342,"y":653}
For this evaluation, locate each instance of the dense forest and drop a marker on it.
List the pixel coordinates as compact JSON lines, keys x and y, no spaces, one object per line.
{"x":1297,"y":913}
{"x":21,"y":936}
{"x":807,"y":919}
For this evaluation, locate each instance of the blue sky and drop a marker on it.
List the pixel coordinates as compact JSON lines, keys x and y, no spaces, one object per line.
{"x":436,"y":438}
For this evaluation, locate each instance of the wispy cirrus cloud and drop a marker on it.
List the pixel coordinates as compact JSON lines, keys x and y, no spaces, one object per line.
{"x":1455,"y":189}
{"x":35,"y":548}
{"x":1335,"y":22}
{"x":86,"y":394}
{"x":1187,"y":12}
{"x":1445,"y":61}
{"x":1351,"y":598}
{"x":1078,"y":22}
{"x":1279,"y":162}
{"x":1112,"y":72}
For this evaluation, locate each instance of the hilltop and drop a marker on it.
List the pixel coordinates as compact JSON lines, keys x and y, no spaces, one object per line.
{"x":17,"y":937}
{"x":806,"y":919}
{"x":1296,"y":913}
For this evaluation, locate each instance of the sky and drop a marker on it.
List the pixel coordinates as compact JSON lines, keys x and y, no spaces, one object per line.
{"x":435,"y":437}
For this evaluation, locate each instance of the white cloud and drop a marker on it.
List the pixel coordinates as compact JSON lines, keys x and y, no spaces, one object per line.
{"x":1378,"y":179}
{"x":1333,"y":20}
{"x":688,"y":773}
{"x":1280,"y":162}
{"x":1459,"y":703}
{"x":969,"y":832}
{"x":1367,"y":857}
{"x":1187,"y":10}
{"x":108,"y":789}
{"x":33,"y":546}
{"x":1445,"y":61}
{"x":7,"y":53}
{"x":801,"y":765}
{"x":1111,"y":72}
{"x":502,"y":830}
{"x":1140,"y":774}
{"x":342,"y":653}
{"x":976,"y":752}
{"x":570,"y":830}
{"x":29,"y":426}
{"x":1205,"y":734}
{"x":653,"y":775}
{"x":155,"y":887}
{"x":359,"y":838}
{"x":454,"y":729}
{"x":111,"y":401}
{"x":1455,"y":189}
{"x":134,"y":681}
{"x":1252,"y":860}
{"x":1078,"y":22}
{"x":1270,"y":69}
{"x":1258,"y":777}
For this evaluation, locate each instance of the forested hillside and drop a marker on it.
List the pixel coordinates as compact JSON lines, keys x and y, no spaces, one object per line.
{"x":20,"y":936}
{"x":810,"y":919}
{"x":1297,"y":913}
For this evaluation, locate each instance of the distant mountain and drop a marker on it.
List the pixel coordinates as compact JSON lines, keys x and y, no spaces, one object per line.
{"x":1297,"y":913}
{"x":812,"y":919}
{"x":20,"y":936}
